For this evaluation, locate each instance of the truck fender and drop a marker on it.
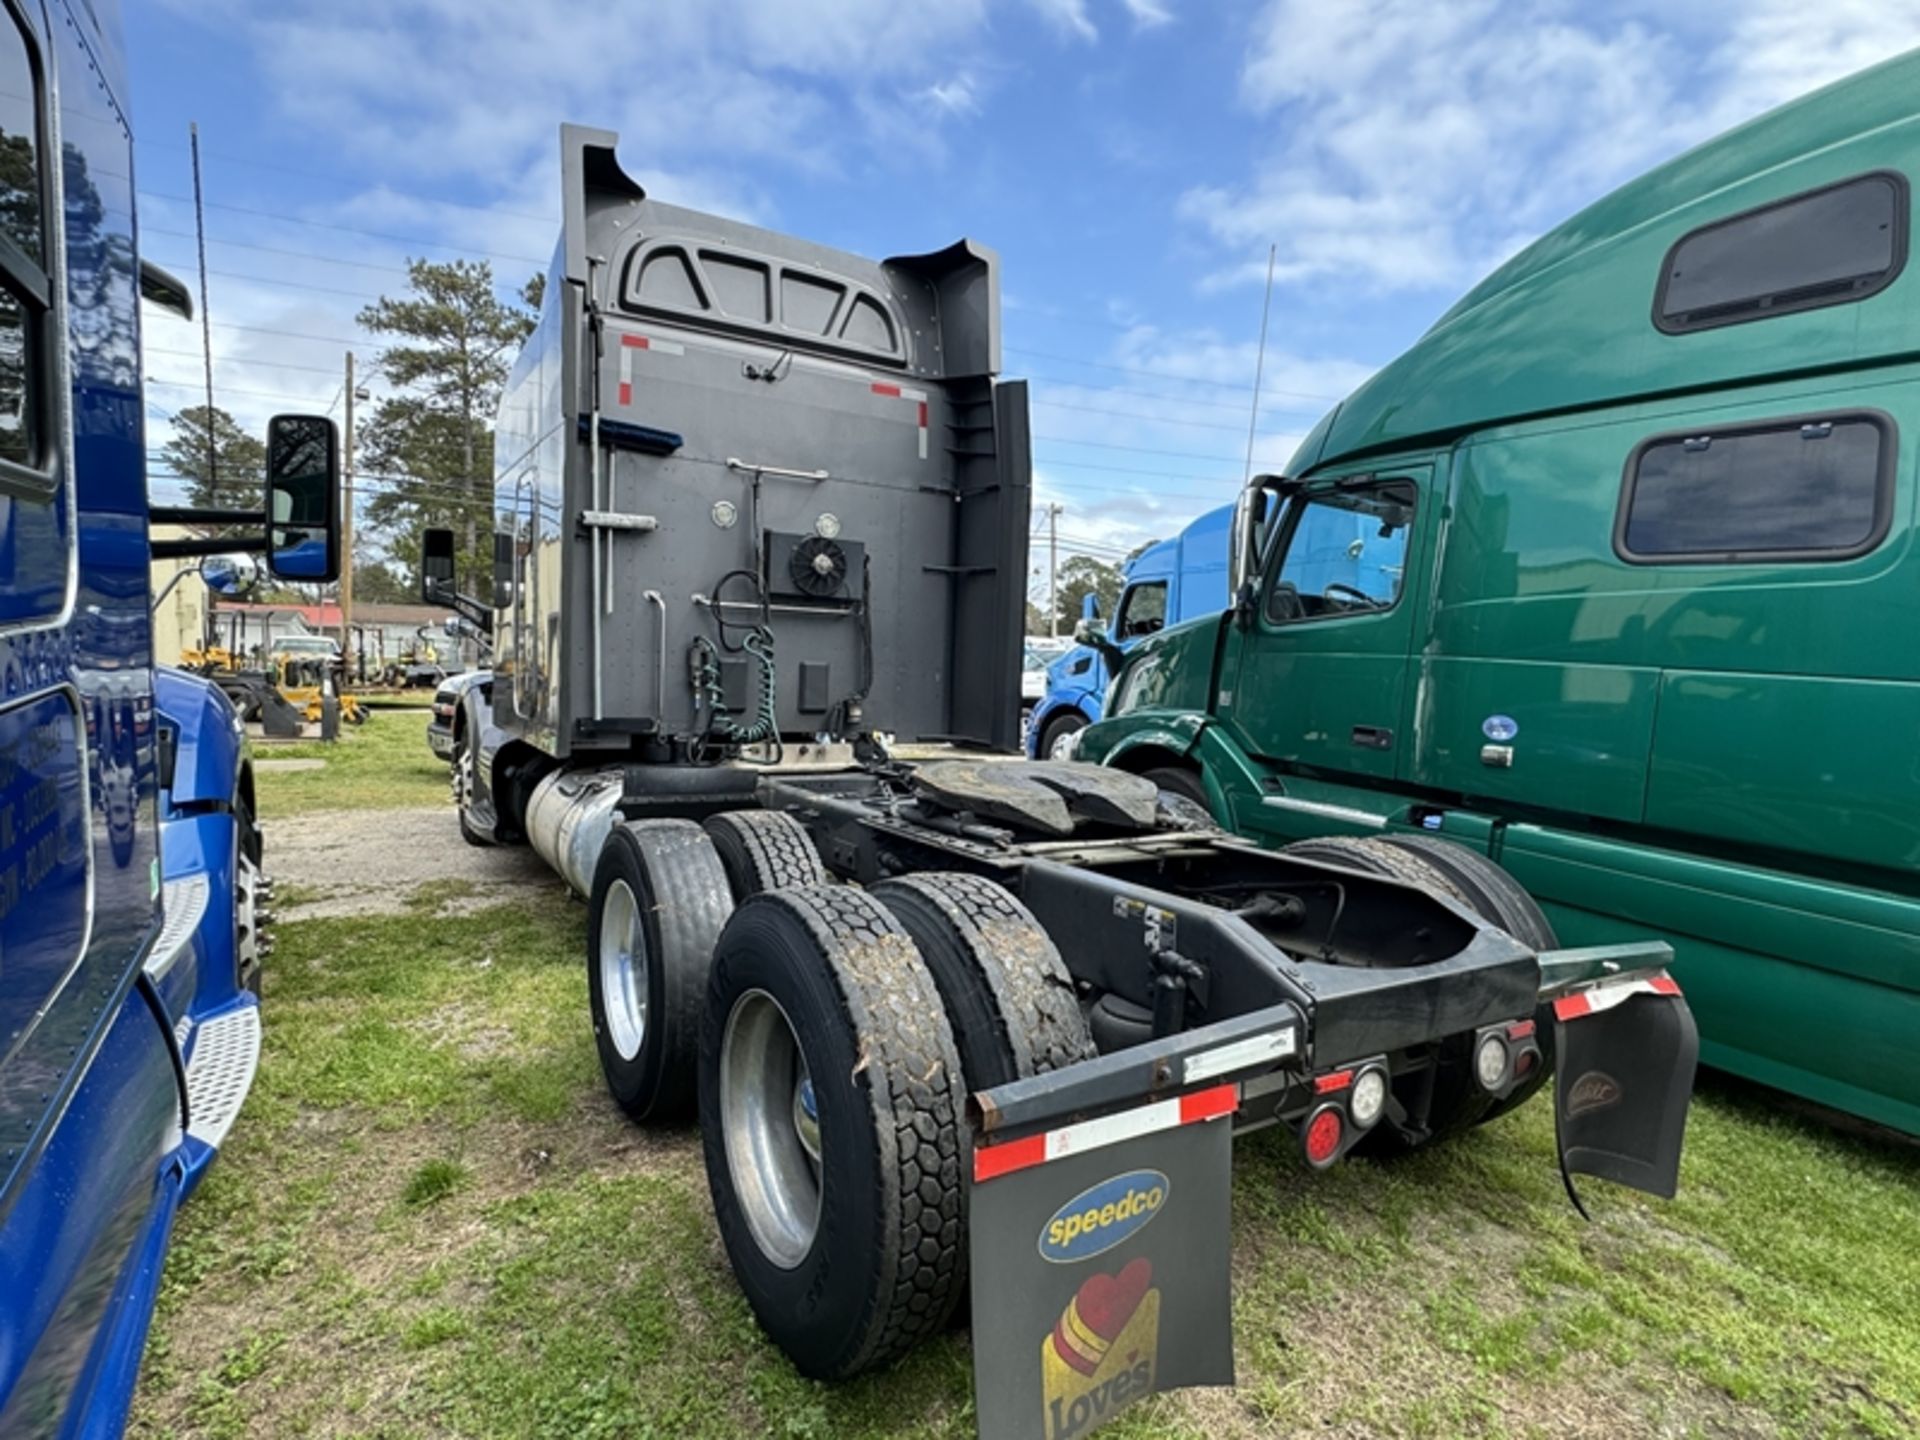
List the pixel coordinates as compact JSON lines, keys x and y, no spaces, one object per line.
{"x":209,"y":746}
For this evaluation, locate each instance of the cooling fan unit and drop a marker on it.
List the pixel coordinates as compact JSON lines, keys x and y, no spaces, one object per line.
{"x":818,"y":568}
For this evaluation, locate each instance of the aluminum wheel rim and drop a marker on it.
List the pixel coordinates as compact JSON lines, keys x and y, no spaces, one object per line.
{"x":770,"y":1119}
{"x":623,"y":970}
{"x":1062,"y":745}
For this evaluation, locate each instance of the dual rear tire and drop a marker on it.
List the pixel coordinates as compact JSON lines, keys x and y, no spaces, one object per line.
{"x":830,"y":1036}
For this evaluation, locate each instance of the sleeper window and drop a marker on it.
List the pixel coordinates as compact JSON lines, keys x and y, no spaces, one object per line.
{"x":1817,"y":488}
{"x":1828,"y":246}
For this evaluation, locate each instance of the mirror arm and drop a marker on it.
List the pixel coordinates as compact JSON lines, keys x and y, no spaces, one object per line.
{"x":196,"y":545}
{"x":200,"y":515}
{"x":465,"y":606}
{"x":1245,"y":604}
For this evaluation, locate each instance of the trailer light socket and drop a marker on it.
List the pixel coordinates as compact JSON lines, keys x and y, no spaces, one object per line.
{"x":1491,"y":1061}
{"x":1369,"y":1097}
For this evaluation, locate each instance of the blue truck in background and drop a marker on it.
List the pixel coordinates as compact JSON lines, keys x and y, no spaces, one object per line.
{"x":1166,"y":583}
{"x":131,"y":895}
{"x":1179,"y":579}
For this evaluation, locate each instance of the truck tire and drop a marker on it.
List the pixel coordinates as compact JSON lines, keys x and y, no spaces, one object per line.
{"x":1007,"y":992}
{"x":1457,"y":1102}
{"x":841,"y":1203}
{"x":1055,"y":731}
{"x":658,"y":905}
{"x":1495,"y":895}
{"x":464,"y":766}
{"x":1183,"y":797}
{"x":764,"y":850}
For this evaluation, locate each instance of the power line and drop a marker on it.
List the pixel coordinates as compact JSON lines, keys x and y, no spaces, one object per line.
{"x":1171,"y":375}
{"x":285,"y":219}
{"x":278,"y":250}
{"x":340,"y":179}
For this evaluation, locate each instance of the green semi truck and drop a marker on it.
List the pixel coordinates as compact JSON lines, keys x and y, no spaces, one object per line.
{"x":1642,"y":629}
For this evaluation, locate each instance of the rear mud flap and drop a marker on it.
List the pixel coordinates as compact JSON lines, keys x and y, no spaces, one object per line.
{"x":1100,"y":1266}
{"x":1626,"y":1060}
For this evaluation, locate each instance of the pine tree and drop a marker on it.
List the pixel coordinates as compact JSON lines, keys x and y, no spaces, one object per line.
{"x":222,"y":465}
{"x":452,"y":342}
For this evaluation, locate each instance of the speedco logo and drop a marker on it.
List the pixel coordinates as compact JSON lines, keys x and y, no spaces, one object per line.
{"x":1100,"y":1217}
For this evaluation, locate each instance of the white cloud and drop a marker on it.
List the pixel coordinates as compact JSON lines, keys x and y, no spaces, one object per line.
{"x":953,"y":96}
{"x":1069,"y":17}
{"x":1148,"y":13}
{"x":1414,"y":143}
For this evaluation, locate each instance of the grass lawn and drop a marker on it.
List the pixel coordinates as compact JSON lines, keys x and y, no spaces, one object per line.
{"x":429,"y":1221}
{"x":375,"y":766}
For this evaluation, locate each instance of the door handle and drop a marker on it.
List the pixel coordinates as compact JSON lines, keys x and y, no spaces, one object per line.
{"x":1372,"y":737}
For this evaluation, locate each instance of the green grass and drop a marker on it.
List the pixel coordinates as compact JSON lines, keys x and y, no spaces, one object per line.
{"x":380,"y":765}
{"x":431,"y":1222}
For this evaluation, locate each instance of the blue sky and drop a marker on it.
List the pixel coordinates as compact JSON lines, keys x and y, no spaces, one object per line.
{"x":1131,"y":160}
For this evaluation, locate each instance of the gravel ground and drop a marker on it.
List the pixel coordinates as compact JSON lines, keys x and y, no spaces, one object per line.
{"x":369,"y":862}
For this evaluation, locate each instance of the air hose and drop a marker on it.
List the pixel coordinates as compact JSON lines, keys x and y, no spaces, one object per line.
{"x":704,"y":661}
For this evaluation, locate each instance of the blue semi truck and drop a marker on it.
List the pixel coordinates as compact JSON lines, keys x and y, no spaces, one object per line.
{"x":1182,"y":579}
{"x":1170,"y":581}
{"x":131,"y":893}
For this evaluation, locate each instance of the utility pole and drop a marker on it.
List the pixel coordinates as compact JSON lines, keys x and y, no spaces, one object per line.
{"x":1053,"y":572}
{"x":346,"y":528}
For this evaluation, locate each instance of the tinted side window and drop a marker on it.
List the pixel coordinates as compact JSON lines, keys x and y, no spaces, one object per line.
{"x":1826,"y":247}
{"x":1144,"y":611}
{"x":1346,"y":553}
{"x":1813,"y":489}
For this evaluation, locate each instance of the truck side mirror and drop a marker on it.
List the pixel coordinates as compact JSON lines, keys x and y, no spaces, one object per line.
{"x":436,"y":566}
{"x":1091,"y":633}
{"x":230,"y":576}
{"x":503,"y":558}
{"x":1089,"y":607}
{"x":303,"y":498}
{"x":1248,"y":532}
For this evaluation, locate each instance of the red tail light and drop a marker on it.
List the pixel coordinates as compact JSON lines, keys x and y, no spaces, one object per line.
{"x":1324,"y":1132}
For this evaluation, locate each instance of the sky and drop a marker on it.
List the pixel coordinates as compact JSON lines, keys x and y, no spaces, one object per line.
{"x":1134,"y":163}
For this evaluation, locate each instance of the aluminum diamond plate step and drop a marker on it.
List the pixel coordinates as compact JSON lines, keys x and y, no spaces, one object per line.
{"x":184,"y":902}
{"x":226,"y":1052}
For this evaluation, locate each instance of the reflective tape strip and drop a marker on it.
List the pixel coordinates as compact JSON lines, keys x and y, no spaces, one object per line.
{"x":1605,"y":997}
{"x":992,"y":1161}
{"x":629,"y":343}
{"x":901,"y":392}
{"x":1239,"y":1055}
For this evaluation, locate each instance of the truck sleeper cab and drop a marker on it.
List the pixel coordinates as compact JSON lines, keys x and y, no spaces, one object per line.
{"x":757,"y":501}
{"x":1653,"y":488}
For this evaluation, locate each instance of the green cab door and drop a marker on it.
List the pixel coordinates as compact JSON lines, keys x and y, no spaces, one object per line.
{"x":1322,"y":672}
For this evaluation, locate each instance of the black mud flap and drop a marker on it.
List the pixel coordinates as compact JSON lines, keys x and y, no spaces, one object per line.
{"x":1626,"y":1060}
{"x":1100,"y":1266}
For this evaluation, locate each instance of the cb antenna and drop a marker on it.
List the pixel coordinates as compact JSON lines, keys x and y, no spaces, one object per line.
{"x":1259,"y":363}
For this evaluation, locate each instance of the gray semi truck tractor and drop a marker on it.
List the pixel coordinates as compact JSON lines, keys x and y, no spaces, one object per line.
{"x":950,"y":1021}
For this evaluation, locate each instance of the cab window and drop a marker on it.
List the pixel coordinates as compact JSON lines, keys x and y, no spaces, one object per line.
{"x":1343,"y":552}
{"x":1143,"y":611}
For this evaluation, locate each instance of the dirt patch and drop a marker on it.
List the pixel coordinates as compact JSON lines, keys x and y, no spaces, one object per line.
{"x":369,"y":862}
